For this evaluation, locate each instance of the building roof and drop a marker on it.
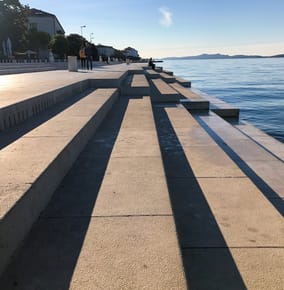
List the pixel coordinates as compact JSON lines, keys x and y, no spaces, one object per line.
{"x":40,"y":13}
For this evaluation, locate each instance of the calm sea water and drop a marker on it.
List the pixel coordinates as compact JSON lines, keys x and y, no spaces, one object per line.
{"x":256,"y":86}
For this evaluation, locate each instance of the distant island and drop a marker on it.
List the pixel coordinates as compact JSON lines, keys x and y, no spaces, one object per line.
{"x":221,"y":56}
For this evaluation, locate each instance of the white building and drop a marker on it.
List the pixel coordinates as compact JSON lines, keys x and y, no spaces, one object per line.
{"x":104,"y":50}
{"x":44,"y":21}
{"x":130,"y":52}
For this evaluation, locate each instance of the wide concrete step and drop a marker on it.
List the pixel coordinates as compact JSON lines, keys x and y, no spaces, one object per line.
{"x":189,"y":99}
{"x":183,"y":82}
{"x":221,"y":108}
{"x":33,"y":166}
{"x":163,"y":92}
{"x":151,"y":74}
{"x":136,"y":85}
{"x":258,"y":155}
{"x":18,"y":105}
{"x":223,"y":218}
{"x":123,"y":239}
{"x":167,"y":77}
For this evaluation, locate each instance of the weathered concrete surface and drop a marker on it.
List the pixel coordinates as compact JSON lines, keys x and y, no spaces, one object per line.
{"x":229,"y":230}
{"x":137,"y":85}
{"x":33,"y":166}
{"x":167,"y":78}
{"x":220,"y":213}
{"x":162,"y":92}
{"x":259,"y":163}
{"x":265,"y":140}
{"x":183,"y":82}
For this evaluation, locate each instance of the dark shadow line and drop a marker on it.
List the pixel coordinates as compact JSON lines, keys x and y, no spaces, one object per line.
{"x":266,"y":190}
{"x":210,"y":268}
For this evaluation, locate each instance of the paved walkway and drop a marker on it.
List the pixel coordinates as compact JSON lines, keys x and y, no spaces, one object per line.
{"x":106,"y":226}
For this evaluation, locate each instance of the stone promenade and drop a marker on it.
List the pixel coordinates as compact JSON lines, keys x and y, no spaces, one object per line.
{"x":117,"y":178}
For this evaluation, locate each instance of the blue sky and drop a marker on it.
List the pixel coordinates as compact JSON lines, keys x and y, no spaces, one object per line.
{"x":175,"y":27}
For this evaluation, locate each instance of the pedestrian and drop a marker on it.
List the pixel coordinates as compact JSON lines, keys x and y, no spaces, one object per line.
{"x":89,"y":56}
{"x":82,"y":56}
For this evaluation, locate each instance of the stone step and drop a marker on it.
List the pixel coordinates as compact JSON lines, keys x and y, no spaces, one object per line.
{"x":162,"y":92}
{"x":136,"y":85}
{"x":221,"y":108}
{"x":151,"y":74}
{"x":220,"y":210}
{"x":33,"y":166}
{"x":263,"y":139}
{"x":18,"y":105}
{"x":167,"y":78}
{"x":261,"y":161}
{"x":126,"y":239}
{"x":190,"y":100}
{"x":183,"y":82}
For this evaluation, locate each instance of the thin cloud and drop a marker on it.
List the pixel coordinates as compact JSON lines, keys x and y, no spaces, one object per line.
{"x":166,"y":19}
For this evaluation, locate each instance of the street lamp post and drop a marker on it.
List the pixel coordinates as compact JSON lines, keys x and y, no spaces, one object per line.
{"x":82,"y":26}
{"x":91,"y":37}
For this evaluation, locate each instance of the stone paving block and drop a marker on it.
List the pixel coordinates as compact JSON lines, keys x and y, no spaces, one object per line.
{"x":272,"y":173}
{"x":133,"y":186}
{"x":211,"y":161}
{"x":137,"y":143}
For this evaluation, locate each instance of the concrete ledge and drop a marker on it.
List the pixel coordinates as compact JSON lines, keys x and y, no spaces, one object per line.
{"x":190,"y":101}
{"x":162,"y":92}
{"x":183,"y":82}
{"x":195,"y":104}
{"x":110,"y":80}
{"x":17,"y":113}
{"x":220,"y":107}
{"x":33,"y":166}
{"x":151,"y":74}
{"x":170,"y":73}
{"x":167,"y":78}
{"x":137,"y":85}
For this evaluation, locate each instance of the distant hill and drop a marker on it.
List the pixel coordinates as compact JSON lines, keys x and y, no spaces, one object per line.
{"x":278,"y":55}
{"x":215,"y":56}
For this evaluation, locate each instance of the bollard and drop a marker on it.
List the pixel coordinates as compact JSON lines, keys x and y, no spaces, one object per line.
{"x":72,"y":63}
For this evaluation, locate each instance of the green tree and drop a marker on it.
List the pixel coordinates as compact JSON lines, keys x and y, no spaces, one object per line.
{"x":37,"y":40}
{"x":59,"y":45}
{"x":13,"y":22}
{"x":75,"y":42}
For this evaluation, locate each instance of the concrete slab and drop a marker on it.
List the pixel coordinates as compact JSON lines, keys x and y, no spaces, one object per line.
{"x":137,"y":143}
{"x":190,"y":136}
{"x":259,"y":136}
{"x":211,"y":161}
{"x":101,"y":253}
{"x":186,"y":92}
{"x":135,"y":186}
{"x":167,"y":78}
{"x":39,"y":159}
{"x":183,"y":82}
{"x":162,"y":92}
{"x":151,"y":74}
{"x":272,"y":173}
{"x":245,"y":217}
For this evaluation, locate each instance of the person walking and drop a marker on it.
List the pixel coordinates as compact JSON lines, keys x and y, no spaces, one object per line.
{"x":89,"y":56}
{"x":82,"y":56}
